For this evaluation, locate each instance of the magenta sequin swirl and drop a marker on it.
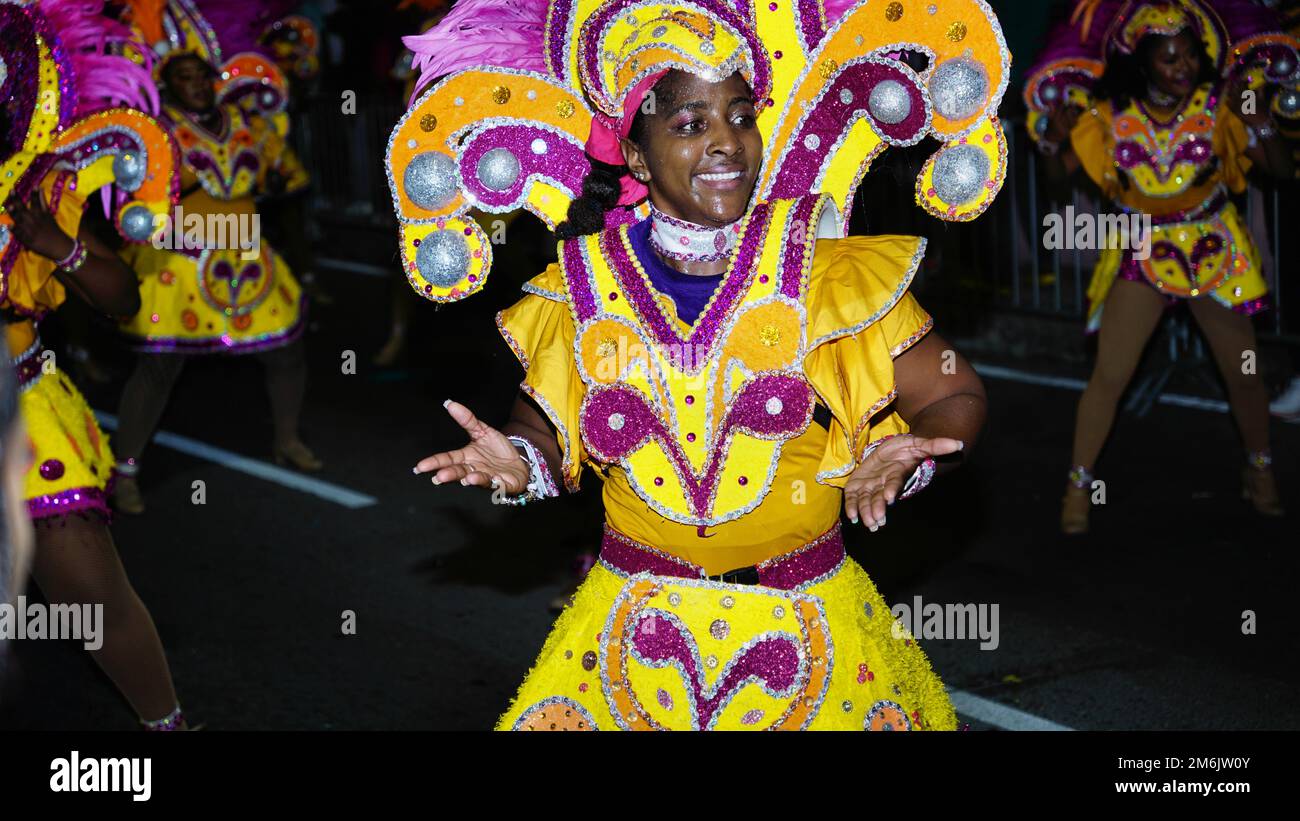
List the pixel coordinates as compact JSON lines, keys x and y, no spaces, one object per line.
{"x":558,"y":16}
{"x":835,"y":113}
{"x":617,"y":420}
{"x":559,"y":161}
{"x":576,"y":276}
{"x":659,"y":639}
{"x":199,"y":160}
{"x":811,"y":20}
{"x":792,"y":261}
{"x":788,"y":571}
{"x":1203,"y":248}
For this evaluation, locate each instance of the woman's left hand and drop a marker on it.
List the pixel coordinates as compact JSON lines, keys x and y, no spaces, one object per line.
{"x":878,"y":481}
{"x":36,"y":229}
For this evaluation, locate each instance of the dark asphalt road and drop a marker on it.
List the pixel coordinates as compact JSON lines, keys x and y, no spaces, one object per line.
{"x":1135,"y":626}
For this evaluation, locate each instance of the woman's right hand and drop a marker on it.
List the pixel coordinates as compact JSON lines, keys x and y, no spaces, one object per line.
{"x":1061,"y":122}
{"x":489,"y":460}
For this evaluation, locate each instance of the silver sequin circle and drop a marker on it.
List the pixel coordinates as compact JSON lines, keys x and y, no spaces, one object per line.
{"x":616,"y":421}
{"x":129,"y":170}
{"x":774,"y":405}
{"x":812,"y":142}
{"x":1050,"y":93}
{"x":889,"y":102}
{"x":960,"y":174}
{"x":959,"y":88}
{"x":443,"y":258}
{"x":137,"y":223}
{"x":1289,"y":102}
{"x":846,"y":96}
{"x":498,"y":169}
{"x":538,"y":146}
{"x":430,"y":180}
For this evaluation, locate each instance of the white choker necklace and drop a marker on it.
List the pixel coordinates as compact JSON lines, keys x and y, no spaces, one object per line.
{"x":687,"y":242}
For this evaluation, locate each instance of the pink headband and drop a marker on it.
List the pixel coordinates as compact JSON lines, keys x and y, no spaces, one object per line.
{"x":603,"y":143}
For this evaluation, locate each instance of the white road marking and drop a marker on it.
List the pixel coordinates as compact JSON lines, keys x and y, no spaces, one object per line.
{"x":999,"y":715}
{"x":1013,"y":375}
{"x":253,"y":467}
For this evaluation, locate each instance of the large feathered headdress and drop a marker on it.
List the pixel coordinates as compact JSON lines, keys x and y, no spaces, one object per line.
{"x":515,"y":95}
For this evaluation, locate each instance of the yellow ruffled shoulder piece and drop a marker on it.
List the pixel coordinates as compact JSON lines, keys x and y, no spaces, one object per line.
{"x":31,"y":285}
{"x":1230,"y":143}
{"x":1091,"y":141}
{"x":861,"y":317}
{"x":539,"y":329}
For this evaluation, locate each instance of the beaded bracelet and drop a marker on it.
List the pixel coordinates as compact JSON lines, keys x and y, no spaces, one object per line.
{"x":169,"y":722}
{"x":1080,"y":476}
{"x":75,"y":258}
{"x":920,"y":478}
{"x":540,"y":485}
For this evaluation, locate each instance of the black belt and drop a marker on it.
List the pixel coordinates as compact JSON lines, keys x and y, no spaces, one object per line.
{"x":741,"y":575}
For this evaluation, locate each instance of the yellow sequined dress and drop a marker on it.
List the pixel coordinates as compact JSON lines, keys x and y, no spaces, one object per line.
{"x":704,"y":436}
{"x":216,"y":285}
{"x":72,"y":463}
{"x":1181,"y":172}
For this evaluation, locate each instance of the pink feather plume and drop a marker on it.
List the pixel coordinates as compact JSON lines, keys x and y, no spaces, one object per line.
{"x":103,"y":79}
{"x":499,"y":33}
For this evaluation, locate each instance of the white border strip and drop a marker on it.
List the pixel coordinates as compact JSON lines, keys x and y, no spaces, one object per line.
{"x":1000,"y":715}
{"x":262,"y":470}
{"x":1013,"y":375}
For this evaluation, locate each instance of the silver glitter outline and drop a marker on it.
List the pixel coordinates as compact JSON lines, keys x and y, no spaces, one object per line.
{"x":709,"y":690}
{"x":555,"y":700}
{"x":208,"y":140}
{"x":594,"y":87}
{"x":200,"y":274}
{"x":879,"y":706}
{"x":466,"y":136}
{"x":1161,"y":135}
{"x":580,"y":105}
{"x":659,"y":581}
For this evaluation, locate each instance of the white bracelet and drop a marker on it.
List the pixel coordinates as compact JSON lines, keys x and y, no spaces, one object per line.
{"x":541,"y":485}
{"x":920,"y":477}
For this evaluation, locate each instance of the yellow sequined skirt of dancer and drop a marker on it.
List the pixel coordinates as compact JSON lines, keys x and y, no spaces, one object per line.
{"x":1210,"y":254}
{"x":217,"y":302}
{"x":645,"y":651}
{"x":72,"y":462}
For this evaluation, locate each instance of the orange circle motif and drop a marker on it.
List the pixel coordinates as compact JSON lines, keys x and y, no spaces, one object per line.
{"x":557,"y":714}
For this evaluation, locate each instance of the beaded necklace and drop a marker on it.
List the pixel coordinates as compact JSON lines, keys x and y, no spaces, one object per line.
{"x":684,"y":241}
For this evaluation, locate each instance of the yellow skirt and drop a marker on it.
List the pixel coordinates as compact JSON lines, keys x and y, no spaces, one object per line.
{"x":645,"y":652}
{"x":214,"y":303}
{"x":73,"y":462}
{"x":1212,"y":256}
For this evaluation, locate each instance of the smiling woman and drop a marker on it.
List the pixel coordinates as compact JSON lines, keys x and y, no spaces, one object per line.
{"x":736,"y":373}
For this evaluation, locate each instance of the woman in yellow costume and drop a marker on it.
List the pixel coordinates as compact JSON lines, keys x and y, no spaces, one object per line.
{"x":209,"y":282}
{"x":1163,"y":135}
{"x":61,"y":145}
{"x":735,"y":373}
